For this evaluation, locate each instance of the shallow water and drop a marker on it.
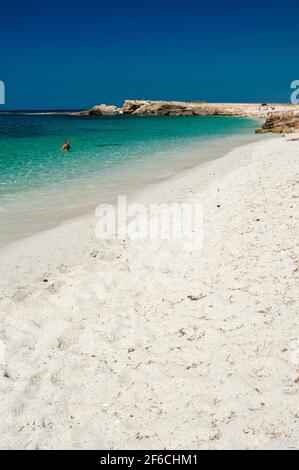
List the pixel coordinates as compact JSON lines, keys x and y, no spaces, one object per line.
{"x":40,"y":186}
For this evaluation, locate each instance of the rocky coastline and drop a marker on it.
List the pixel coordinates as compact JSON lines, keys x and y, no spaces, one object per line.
{"x":284,"y":123}
{"x":279,"y":118}
{"x":182,"y":108}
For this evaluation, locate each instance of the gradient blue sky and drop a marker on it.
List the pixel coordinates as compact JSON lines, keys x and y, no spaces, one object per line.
{"x":62,"y":54}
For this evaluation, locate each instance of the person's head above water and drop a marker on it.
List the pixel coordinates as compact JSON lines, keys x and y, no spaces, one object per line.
{"x":66,"y":146}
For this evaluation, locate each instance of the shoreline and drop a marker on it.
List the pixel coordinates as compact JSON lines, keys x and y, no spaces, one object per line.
{"x":156,"y":192}
{"x":131,"y":345}
{"x":158,"y":167}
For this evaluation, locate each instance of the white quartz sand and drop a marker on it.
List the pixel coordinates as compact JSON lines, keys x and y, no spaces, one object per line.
{"x":134,"y":345}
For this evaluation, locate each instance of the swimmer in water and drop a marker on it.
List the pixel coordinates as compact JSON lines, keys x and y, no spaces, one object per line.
{"x":67,"y":146}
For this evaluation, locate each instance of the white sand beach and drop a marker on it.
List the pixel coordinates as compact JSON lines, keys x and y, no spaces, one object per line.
{"x":141,"y":345}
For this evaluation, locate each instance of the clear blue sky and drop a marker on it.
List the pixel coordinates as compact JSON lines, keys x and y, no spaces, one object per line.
{"x":62,"y":54}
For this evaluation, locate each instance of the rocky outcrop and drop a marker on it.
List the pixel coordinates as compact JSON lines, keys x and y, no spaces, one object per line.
{"x":105,"y":110}
{"x":280,"y":118}
{"x":281,"y":123}
{"x":100,"y":110}
{"x":161,"y":108}
{"x":181,"y":108}
{"x":131,"y":106}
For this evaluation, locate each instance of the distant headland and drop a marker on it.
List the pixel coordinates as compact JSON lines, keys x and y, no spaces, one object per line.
{"x":278,"y":117}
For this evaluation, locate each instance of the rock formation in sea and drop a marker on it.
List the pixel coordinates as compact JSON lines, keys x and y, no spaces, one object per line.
{"x":181,"y":108}
{"x":280,"y":118}
{"x":201,"y":108}
{"x":99,"y":110}
{"x":161,"y":108}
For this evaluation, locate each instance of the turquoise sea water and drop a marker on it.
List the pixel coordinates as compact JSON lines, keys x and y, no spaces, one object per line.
{"x":40,"y":185}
